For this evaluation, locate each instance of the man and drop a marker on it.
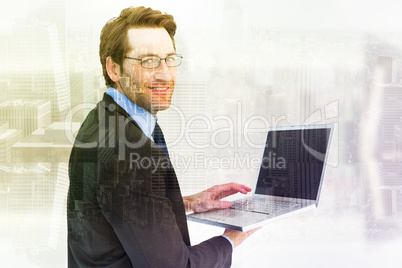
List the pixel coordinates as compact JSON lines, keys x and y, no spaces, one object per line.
{"x":125,"y":208}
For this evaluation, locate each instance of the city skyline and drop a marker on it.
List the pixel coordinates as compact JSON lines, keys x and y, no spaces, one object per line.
{"x":238,"y":78}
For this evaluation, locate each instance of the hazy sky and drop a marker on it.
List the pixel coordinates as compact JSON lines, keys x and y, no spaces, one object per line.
{"x":373,"y":15}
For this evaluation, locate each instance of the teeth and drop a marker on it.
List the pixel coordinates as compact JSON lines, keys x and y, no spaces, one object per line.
{"x":158,"y":88}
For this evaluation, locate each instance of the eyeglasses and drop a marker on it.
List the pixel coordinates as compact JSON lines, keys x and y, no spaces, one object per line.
{"x":151,"y":62}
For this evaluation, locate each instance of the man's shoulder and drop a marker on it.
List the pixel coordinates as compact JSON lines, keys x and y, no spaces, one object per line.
{"x":89,"y":129}
{"x":89,"y":136}
{"x":108,"y":127}
{"x":98,"y":118}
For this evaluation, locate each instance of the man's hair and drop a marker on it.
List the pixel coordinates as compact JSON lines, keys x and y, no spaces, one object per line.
{"x":114,"y":38}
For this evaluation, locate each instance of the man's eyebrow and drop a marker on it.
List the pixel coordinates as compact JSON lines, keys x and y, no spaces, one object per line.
{"x":152,"y":54}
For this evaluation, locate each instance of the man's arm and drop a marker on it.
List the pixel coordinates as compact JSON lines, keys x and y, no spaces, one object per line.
{"x":145,"y":209}
{"x":146,"y":227}
{"x":238,"y":237}
{"x":114,"y":220}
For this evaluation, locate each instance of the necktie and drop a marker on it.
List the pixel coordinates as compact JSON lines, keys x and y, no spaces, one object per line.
{"x":159,"y":139}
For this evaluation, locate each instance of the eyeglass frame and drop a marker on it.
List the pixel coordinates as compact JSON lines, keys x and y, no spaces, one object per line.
{"x":160,"y":60}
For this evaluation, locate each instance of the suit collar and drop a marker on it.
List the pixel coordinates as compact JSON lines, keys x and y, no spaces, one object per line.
{"x":145,"y":120}
{"x":110,"y":105}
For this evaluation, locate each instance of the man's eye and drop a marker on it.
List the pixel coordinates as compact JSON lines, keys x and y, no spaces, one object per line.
{"x":170,"y":59}
{"x":148,"y":60}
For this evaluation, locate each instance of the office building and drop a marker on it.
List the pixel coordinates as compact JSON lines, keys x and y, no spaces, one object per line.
{"x":26,"y":115}
{"x":8,"y":137}
{"x":49,"y":144}
{"x":82,"y":93}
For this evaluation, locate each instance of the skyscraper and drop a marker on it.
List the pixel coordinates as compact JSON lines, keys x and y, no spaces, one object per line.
{"x":188,"y":106}
{"x":37,"y":67}
{"x":82,"y":92}
{"x":8,"y":137}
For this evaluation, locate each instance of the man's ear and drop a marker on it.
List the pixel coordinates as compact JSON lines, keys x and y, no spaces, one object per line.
{"x":113,"y":69}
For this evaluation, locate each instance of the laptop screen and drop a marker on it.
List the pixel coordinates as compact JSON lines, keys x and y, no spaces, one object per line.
{"x":293,"y":162}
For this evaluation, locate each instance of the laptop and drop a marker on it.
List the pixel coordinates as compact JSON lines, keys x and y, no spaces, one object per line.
{"x":289,"y":180}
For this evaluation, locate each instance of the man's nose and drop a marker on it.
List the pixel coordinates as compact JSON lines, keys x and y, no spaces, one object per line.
{"x":163,"y":72}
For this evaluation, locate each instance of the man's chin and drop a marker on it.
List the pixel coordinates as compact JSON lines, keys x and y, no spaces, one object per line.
{"x":158,"y":108}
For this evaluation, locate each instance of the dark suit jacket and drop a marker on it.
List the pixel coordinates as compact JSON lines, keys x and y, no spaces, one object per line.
{"x":125,"y":208}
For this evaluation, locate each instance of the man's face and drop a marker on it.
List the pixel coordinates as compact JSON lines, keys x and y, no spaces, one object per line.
{"x":151,"y":89}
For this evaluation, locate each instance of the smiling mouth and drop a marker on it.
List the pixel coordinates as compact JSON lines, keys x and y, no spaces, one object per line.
{"x":159,"y":88}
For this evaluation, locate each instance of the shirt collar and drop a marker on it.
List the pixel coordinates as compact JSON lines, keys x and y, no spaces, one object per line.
{"x":145,"y":120}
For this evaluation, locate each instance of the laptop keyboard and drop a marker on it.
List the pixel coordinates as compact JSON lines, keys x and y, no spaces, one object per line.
{"x":261,"y":205}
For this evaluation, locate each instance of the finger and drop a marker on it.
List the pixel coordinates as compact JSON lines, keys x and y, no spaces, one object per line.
{"x":230,"y":189}
{"x":244,"y":189}
{"x":235,"y":187}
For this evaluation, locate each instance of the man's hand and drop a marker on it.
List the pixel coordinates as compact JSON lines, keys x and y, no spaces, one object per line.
{"x":211,"y":198}
{"x":238,"y":237}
